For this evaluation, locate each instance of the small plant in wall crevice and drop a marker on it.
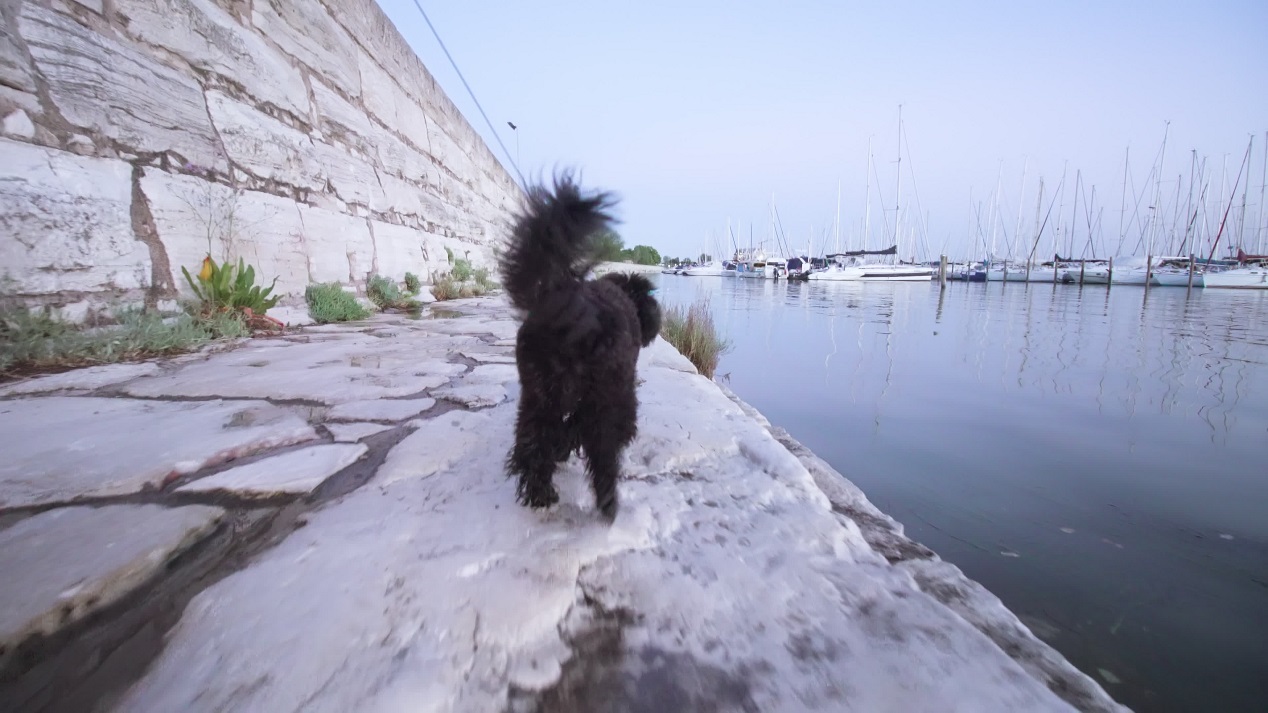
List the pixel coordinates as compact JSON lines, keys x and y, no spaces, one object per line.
{"x":229,"y":288}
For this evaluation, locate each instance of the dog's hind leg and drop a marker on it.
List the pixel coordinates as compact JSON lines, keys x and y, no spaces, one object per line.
{"x":603,"y":437}
{"x":571,"y":440}
{"x":539,"y":436}
{"x":603,"y":463}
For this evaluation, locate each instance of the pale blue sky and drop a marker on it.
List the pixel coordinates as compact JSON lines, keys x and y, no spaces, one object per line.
{"x":696,"y":112}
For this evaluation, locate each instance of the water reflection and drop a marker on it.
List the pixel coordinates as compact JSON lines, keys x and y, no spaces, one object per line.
{"x":1094,"y":456}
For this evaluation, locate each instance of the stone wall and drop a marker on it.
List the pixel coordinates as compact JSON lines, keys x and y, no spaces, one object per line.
{"x":301,"y":135}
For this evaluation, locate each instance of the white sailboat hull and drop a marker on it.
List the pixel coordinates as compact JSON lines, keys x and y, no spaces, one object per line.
{"x":838,"y":274}
{"x":1245,"y":278}
{"x":1091,"y":276}
{"x":896,"y":273}
{"x":704,"y":271}
{"x":1167,"y":278}
{"x":1038,"y":274}
{"x":1129,"y":276}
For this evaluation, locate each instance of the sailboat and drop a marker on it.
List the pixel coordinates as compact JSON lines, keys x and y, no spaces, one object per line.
{"x":713,"y":269}
{"x":1174,"y":272}
{"x":1251,"y":274}
{"x":853,"y":265}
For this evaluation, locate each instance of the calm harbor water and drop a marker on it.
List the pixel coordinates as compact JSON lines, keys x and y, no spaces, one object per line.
{"x":1098,"y":458}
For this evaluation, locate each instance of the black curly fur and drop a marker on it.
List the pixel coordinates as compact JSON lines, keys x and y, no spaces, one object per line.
{"x":578,"y":347}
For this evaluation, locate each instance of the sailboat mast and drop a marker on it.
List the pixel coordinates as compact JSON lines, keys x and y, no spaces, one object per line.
{"x":867,"y":203}
{"x":1157,"y":214}
{"x":1188,"y":205}
{"x":1074,"y":210}
{"x":1122,"y":212}
{"x":1175,"y":214}
{"x":1241,"y":220}
{"x":899,"y":190}
{"x":1025,"y":166}
{"x":836,"y":240}
{"x":1232,"y":193}
{"x":1056,"y":236}
{"x":993,"y":212}
{"x":1038,"y":225}
{"x":1259,"y":219}
{"x":970,"y":227}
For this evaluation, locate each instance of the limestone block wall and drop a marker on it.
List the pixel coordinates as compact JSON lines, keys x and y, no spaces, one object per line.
{"x":301,"y":135}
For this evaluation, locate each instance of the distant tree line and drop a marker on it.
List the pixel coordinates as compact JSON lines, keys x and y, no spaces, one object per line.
{"x":610,"y":246}
{"x":702,"y":259}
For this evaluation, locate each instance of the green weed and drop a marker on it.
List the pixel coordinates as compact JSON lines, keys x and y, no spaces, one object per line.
{"x":329,"y":303}
{"x":35,"y":341}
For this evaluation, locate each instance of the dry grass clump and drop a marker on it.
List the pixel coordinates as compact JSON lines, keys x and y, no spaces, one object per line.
{"x":462,"y":281}
{"x":691,"y":330}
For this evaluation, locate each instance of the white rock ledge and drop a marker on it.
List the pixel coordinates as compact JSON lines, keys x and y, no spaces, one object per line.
{"x":296,"y":472}
{"x":65,"y":448}
{"x":63,"y":565}
{"x":741,"y":574}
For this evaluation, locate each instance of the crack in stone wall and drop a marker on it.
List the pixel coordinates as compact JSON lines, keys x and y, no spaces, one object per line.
{"x":310,"y":103}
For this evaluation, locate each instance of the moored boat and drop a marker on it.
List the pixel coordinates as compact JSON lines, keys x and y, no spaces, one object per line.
{"x":1249,"y":277}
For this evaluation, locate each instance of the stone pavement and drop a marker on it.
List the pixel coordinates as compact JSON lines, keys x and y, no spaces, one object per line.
{"x":321,"y":522}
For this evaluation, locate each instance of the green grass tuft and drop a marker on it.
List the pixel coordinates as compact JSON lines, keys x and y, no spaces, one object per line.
{"x":445,"y":288}
{"x":412,"y":284}
{"x":691,"y":330}
{"x":461,"y":270}
{"x":386,"y":295}
{"x":329,"y":303}
{"x":483,"y":280}
{"x":32,"y":342}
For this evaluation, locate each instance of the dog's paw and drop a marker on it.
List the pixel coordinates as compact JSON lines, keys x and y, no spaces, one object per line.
{"x":539,"y":497}
{"x":609,"y":509}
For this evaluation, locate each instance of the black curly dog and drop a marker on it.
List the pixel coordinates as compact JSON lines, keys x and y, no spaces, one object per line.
{"x":578,"y":346}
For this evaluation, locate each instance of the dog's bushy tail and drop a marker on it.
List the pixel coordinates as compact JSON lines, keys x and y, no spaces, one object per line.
{"x":552,"y":244}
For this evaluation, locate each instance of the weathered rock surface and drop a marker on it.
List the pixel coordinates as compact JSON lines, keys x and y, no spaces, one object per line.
{"x":266,"y":230}
{"x":353,"y":432}
{"x":14,"y":68}
{"x":61,"y":448}
{"x":472,"y":395}
{"x":742,"y":572}
{"x":380,"y":410}
{"x":209,"y":39}
{"x":115,"y":90}
{"x":339,"y":245}
{"x":262,"y":145}
{"x":86,"y":379}
{"x":63,"y":565}
{"x":355,"y":367}
{"x":304,"y":30}
{"x":292,"y":316}
{"x":68,"y":223}
{"x":17,"y":123}
{"x":253,"y":135}
{"x":296,"y":472}
{"x":730,"y":580}
{"x":502,"y":357}
{"x":437,"y":444}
